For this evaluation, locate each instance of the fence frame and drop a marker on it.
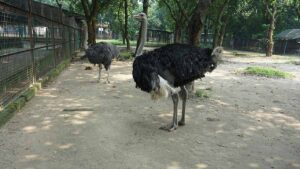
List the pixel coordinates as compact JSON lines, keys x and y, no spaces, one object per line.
{"x":64,"y":39}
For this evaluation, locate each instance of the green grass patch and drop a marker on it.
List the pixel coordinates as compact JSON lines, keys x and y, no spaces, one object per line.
{"x":267,"y":72}
{"x":239,"y":54}
{"x":203,"y":93}
{"x":295,"y":62}
{"x":125,"y":55}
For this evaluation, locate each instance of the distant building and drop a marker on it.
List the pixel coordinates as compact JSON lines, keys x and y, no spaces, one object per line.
{"x":288,"y":42}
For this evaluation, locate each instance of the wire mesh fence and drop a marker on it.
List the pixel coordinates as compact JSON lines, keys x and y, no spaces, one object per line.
{"x":34,"y":38}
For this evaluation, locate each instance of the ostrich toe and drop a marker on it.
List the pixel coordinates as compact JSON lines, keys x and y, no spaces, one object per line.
{"x":169,"y":127}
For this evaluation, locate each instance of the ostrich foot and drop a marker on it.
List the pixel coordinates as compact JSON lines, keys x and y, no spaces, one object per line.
{"x":107,"y":82}
{"x":181,"y":123}
{"x":169,"y":127}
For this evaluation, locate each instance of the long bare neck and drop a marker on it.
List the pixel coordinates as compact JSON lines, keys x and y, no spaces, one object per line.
{"x":143,"y":37}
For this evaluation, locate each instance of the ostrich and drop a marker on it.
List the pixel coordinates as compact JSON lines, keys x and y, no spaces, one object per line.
{"x":102,"y":54}
{"x":168,"y":69}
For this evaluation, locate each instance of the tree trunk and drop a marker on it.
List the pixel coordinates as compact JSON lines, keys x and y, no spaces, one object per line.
{"x":126,"y":24}
{"x":195,"y":26}
{"x":90,"y":12}
{"x":145,"y":10}
{"x":219,"y":24}
{"x":177,"y":37}
{"x":91,"y":32}
{"x":196,"y":23}
{"x":205,"y":37}
{"x":222,"y":34}
{"x":270,"y":32}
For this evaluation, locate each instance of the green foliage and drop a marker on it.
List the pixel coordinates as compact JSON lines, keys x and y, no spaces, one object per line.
{"x":125,"y":55}
{"x":203,"y":93}
{"x":267,"y":72}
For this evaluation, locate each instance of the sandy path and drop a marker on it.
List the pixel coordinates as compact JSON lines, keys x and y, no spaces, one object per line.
{"x":256,"y":126}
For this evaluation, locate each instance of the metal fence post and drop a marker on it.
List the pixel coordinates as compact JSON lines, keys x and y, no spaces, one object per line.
{"x":31,"y":40}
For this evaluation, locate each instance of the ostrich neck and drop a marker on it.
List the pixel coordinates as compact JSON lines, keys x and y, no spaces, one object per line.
{"x":143,"y":38}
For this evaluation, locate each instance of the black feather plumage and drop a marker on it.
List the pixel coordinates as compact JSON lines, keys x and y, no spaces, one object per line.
{"x":179,"y":64}
{"x":102,"y":53}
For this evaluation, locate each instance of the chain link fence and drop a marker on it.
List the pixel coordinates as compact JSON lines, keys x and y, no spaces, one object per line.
{"x":34,"y":38}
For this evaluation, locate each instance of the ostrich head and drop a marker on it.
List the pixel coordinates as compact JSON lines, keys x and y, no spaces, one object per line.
{"x":142,"y":17}
{"x":216,"y":56}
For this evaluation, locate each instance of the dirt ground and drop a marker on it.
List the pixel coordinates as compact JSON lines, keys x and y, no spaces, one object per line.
{"x":247,"y":123}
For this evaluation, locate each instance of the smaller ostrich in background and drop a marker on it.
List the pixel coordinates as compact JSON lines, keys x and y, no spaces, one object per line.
{"x":102,"y":54}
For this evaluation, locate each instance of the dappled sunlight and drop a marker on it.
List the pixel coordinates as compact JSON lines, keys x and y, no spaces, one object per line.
{"x":174,"y":165}
{"x":128,"y":96}
{"x":164,"y":115}
{"x":65,"y":146}
{"x":199,"y":106}
{"x":276,"y":118}
{"x":122,"y":77}
{"x":30,"y":129}
{"x":297,"y":165}
{"x":201,"y":166}
{"x":222,"y":103}
{"x":254,"y":165}
{"x":31,"y":157}
{"x":46,"y":94}
{"x":48,"y":143}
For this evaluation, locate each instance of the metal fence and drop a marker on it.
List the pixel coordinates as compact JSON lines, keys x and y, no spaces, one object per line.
{"x":34,"y":38}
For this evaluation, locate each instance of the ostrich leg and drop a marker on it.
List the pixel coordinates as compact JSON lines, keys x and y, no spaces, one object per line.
{"x":107,"y":81}
{"x":100,"y":68}
{"x":174,"y":124}
{"x":108,"y":68}
{"x":184,"y":94}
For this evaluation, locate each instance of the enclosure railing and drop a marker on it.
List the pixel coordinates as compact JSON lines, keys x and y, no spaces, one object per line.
{"x":34,"y":38}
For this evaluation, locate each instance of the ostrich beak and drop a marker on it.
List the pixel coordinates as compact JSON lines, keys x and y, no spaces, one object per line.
{"x":137,"y":17}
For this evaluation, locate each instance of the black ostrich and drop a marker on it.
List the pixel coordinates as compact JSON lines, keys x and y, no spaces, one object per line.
{"x":102,"y":54}
{"x":168,"y":69}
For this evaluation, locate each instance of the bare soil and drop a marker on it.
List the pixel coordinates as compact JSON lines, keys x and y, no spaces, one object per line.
{"x":248,"y":122}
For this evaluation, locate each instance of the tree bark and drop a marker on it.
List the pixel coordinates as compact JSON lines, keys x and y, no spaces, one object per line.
{"x":121,"y":22}
{"x":271,"y":10}
{"x":222,"y":34}
{"x":91,"y":32}
{"x":219,"y":23}
{"x":145,"y":10}
{"x":196,"y":23}
{"x":195,"y":26}
{"x":126,"y":25}
{"x":177,"y":37}
{"x":270,"y":32}
{"x":90,"y":13}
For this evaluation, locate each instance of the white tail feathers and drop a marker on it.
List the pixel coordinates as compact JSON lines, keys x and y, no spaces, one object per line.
{"x":160,"y":93}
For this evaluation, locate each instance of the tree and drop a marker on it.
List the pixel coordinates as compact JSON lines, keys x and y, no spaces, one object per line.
{"x":91,"y":10}
{"x":273,"y":9}
{"x":220,"y":22}
{"x":195,"y":26}
{"x":196,"y":22}
{"x":179,"y":12}
{"x":126,"y":24}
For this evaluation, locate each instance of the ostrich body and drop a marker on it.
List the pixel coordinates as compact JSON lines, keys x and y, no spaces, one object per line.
{"x":168,"y":69}
{"x":102,"y":54}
